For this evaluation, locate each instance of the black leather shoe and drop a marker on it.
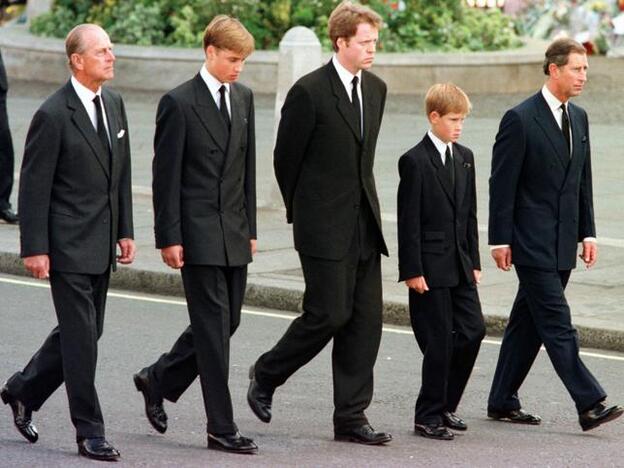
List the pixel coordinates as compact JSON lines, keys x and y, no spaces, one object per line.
{"x":598,"y":415}
{"x":9,"y":216}
{"x":259,"y":398}
{"x":22,"y":417}
{"x":452,"y":421}
{"x":154,"y":409}
{"x":232,"y":443}
{"x":363,"y":434}
{"x":515,"y":416}
{"x":98,"y":449}
{"x":433,"y":431}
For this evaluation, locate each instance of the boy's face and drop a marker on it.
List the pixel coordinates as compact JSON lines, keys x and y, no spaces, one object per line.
{"x":225,"y":65}
{"x":447,"y":127}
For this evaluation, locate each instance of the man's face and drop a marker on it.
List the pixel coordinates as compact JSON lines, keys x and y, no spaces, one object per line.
{"x":447,"y":127}
{"x":96,"y":63}
{"x":571,"y":77}
{"x":358,"y":52}
{"x":225,"y":65}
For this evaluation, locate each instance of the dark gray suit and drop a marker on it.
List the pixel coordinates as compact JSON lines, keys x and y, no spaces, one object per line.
{"x":541,"y":205}
{"x":75,"y":202}
{"x":205,"y":200}
{"x":6,"y":143}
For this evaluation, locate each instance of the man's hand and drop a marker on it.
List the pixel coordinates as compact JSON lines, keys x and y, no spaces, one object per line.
{"x":253,"y":245}
{"x":477,"y":276}
{"x":38,"y":266}
{"x":173,"y":256}
{"x":417,"y":283}
{"x":502,"y":257}
{"x":590,"y":253}
{"x":128,"y":251}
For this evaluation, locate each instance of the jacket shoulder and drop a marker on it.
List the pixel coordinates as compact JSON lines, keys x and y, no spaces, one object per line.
{"x":369,"y":76}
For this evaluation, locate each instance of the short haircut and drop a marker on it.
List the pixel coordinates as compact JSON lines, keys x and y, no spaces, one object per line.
{"x":445,"y":98}
{"x":559,"y":51}
{"x":74,"y":41}
{"x":225,"y":32}
{"x":344,"y":21}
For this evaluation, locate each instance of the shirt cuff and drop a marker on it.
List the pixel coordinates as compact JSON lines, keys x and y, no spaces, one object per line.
{"x":590,"y":239}
{"x":493,"y":247}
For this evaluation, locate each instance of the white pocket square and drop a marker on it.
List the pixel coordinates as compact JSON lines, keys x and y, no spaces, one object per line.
{"x":121,"y":133}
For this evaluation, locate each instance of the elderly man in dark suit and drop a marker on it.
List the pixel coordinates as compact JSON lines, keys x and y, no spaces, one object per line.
{"x":76,"y":204}
{"x":6,"y":153}
{"x":541,"y":207}
{"x":205,"y":225}
{"x":324,"y":167}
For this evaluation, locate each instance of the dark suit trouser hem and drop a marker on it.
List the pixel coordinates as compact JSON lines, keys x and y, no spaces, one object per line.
{"x":449,"y":327}
{"x":215,"y":297}
{"x":541,"y":314}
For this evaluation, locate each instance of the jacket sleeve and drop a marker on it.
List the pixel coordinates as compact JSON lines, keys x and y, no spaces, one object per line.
{"x":169,"y":142}
{"x":409,"y":199}
{"x":41,"y":153}
{"x":250,"y":170}
{"x":295,"y":129}
{"x":126,"y":227}
{"x":472,"y":224}
{"x":507,"y":160}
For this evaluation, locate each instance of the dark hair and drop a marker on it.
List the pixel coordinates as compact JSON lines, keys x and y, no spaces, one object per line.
{"x":559,"y":51}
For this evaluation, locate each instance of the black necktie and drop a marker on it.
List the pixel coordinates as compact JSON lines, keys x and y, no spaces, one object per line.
{"x":355,"y":100}
{"x":223,"y":107}
{"x":565,"y":125}
{"x":101,"y":128}
{"x":448,"y":165}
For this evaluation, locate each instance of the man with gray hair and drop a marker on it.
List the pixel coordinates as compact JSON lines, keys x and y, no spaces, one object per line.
{"x":76,"y":205}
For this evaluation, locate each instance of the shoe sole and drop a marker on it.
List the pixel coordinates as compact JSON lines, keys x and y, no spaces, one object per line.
{"x":514,"y":421}
{"x":262,"y":418}
{"x":95,"y":457}
{"x":221,"y":448}
{"x":346,"y":438}
{"x":611,"y":417}
{"x":6,"y":399}
{"x":139,"y":386}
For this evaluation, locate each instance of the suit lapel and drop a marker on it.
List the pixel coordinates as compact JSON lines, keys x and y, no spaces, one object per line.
{"x":343,"y":103}
{"x":461,"y":175}
{"x":547,"y":122}
{"x":81,"y":119}
{"x":208,"y":113}
{"x":436,"y":160}
{"x":238,"y":121}
{"x":370,"y":106}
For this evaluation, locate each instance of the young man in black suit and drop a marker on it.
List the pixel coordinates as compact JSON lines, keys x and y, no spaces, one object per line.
{"x":205,"y":224}
{"x":6,"y":153}
{"x":75,"y":202}
{"x":541,"y":207}
{"x":324,"y":167}
{"x":439,"y":260}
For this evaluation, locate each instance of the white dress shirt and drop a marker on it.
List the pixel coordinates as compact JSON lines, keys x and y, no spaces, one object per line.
{"x":440,"y":146}
{"x":213,"y":86}
{"x":555,"y":107}
{"x":87,"y":96}
{"x":346,"y":77}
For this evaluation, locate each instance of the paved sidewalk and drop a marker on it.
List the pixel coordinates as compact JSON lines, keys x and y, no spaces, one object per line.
{"x":275,"y":279}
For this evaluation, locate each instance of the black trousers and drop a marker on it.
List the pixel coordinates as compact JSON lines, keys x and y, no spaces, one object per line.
{"x":214,"y":295}
{"x":343,"y":302}
{"x":69,"y":353}
{"x":6,"y":154}
{"x":449,"y":327}
{"x":541,"y":314}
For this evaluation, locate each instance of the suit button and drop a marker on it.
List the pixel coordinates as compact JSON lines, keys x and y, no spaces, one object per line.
{"x":220,"y":180}
{"x":104,"y":221}
{"x":221,"y":212}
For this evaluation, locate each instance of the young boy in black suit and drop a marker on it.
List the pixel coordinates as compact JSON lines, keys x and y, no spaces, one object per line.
{"x":439,"y":260}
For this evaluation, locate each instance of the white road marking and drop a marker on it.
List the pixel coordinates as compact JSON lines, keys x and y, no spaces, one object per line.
{"x":262,"y":313}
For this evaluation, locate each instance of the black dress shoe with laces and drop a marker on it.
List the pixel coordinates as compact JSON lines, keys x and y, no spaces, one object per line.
{"x":22,"y":416}
{"x":154,"y":409}
{"x":259,"y":398}
{"x":9,"y":216}
{"x":363,"y":434}
{"x":98,"y":449}
{"x":232,"y":443}
{"x":452,"y":421}
{"x":434,"y":431}
{"x":515,"y":416}
{"x":599,"y":414}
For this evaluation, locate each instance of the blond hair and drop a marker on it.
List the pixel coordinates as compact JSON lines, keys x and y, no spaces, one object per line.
{"x":344,"y":21}
{"x":225,"y":32}
{"x":445,"y":98}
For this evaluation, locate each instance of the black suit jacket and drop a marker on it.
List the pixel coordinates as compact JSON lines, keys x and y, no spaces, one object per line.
{"x":4,"y":83}
{"x":437,"y":223}
{"x":541,"y":199}
{"x":323,"y":168}
{"x":74,"y":204}
{"x":204,"y":185}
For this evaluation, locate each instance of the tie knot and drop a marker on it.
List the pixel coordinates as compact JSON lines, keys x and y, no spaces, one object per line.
{"x":448,"y":153}
{"x":222,"y":90}
{"x":563,"y":108}
{"x":355,"y":81}
{"x":96,"y":100}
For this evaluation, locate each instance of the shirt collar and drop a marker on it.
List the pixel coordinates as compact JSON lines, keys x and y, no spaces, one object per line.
{"x":439,"y":144}
{"x":84,"y":93}
{"x":553,"y":103}
{"x":213,"y":84}
{"x":345,"y":75}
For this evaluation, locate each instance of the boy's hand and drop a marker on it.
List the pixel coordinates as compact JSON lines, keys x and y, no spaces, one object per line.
{"x":418,"y":284}
{"x":477,"y":276}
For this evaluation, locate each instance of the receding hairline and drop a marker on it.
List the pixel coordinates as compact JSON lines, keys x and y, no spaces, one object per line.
{"x":75,"y":39}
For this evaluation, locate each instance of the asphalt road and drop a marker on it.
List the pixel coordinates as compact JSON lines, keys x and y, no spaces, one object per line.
{"x":139,"y":328}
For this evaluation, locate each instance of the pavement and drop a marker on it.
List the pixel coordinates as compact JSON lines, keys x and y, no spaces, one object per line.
{"x":275,"y":278}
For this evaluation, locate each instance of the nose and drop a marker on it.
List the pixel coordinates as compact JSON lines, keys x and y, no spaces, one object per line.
{"x":111,"y":56}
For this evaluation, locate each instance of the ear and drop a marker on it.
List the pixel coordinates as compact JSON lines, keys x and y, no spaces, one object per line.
{"x":210,"y":51}
{"x":434,"y":117}
{"x":553,"y":70}
{"x":342,"y":42}
{"x":76,"y":61}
